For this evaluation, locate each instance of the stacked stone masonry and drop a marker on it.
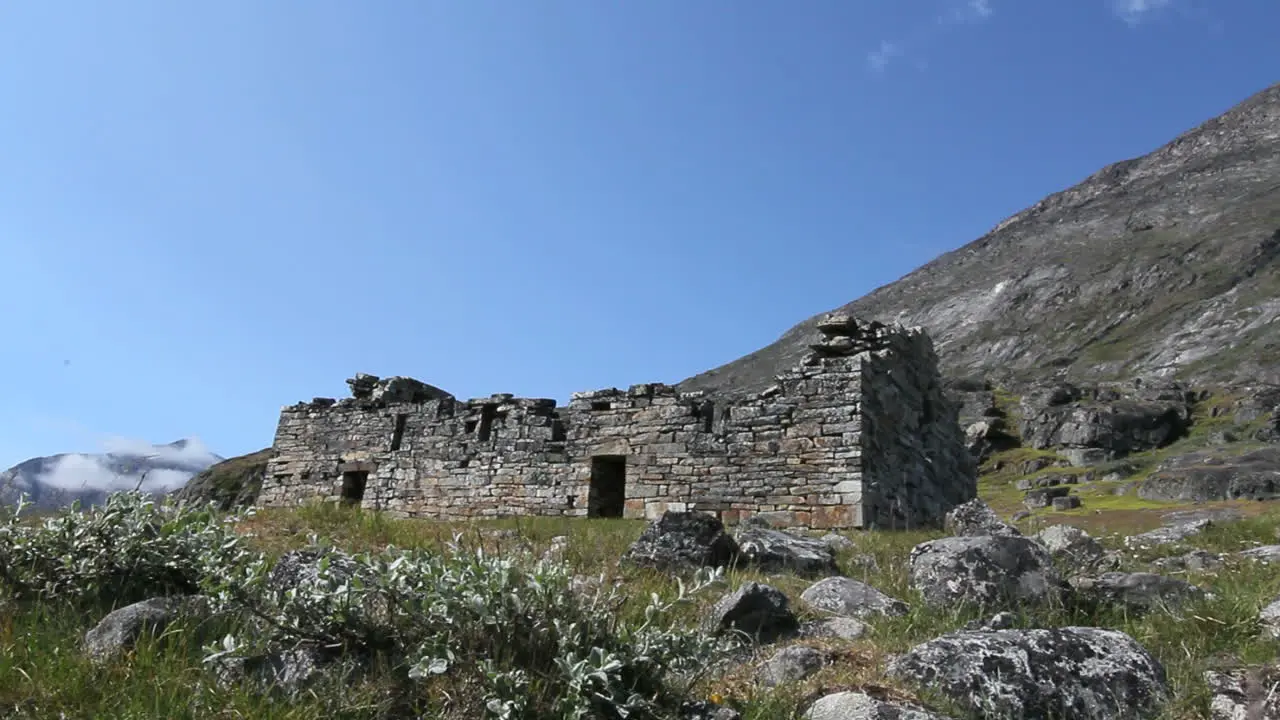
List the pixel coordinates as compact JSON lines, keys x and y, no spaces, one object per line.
{"x":859,"y":435}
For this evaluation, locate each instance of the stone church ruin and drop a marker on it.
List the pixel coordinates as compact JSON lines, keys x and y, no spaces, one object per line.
{"x":859,"y":435}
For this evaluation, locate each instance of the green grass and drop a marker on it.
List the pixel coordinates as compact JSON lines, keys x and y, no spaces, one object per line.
{"x":42,"y":674}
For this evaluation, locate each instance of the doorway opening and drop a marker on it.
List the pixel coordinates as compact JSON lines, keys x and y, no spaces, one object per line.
{"x":607,"y":493}
{"x":353,"y":483}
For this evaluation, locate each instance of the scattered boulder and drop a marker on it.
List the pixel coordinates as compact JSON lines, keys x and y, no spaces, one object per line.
{"x":1139,"y":591}
{"x":1073,"y":672}
{"x":778,"y":551}
{"x":682,"y":541}
{"x":1044,"y":497}
{"x":985,"y":571}
{"x":1071,"y":545}
{"x":760,"y":611}
{"x":840,"y":628}
{"x":1269,"y":617}
{"x":850,"y":598}
{"x":298,"y":566}
{"x":1207,"y":476}
{"x":1066,"y":502}
{"x":120,"y":630}
{"x":556,"y":548}
{"x":975,"y":518}
{"x":1167,"y":535}
{"x":1217,"y":515}
{"x":791,"y":664}
{"x":1246,"y":693}
{"x":1053,"y":480}
{"x":861,"y":706}
{"x":987,"y":437}
{"x":1195,"y":561}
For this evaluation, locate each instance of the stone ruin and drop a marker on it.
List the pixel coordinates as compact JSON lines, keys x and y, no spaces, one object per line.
{"x":859,"y":435}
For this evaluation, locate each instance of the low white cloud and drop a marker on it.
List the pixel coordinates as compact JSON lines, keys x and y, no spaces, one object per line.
{"x":137,"y":464}
{"x":1135,"y":11}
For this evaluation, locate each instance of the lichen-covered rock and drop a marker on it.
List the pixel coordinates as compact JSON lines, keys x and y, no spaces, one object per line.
{"x":1168,"y":535}
{"x":1071,"y":545}
{"x":121,"y":629}
{"x":861,"y":706}
{"x":288,"y":670}
{"x":762,"y":612}
{"x":1081,"y":673}
{"x":840,"y":628}
{"x":791,"y":664}
{"x":1000,"y":621}
{"x":1138,"y":591}
{"x":850,"y":598}
{"x":975,"y":518}
{"x":298,"y":566}
{"x":1044,"y":497}
{"x":1246,"y":693}
{"x":986,"y":571}
{"x":683,"y":540}
{"x":837,"y":542}
{"x":778,"y":551}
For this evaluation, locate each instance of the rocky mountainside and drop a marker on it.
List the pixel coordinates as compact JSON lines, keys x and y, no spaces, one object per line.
{"x":56,"y":481}
{"x":1167,"y":265}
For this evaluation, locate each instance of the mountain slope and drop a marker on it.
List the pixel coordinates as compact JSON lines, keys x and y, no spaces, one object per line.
{"x":58,"y":480}
{"x":1168,"y":264}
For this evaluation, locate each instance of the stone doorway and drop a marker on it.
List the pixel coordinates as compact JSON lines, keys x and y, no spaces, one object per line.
{"x":608,"y":491}
{"x":353,"y":484}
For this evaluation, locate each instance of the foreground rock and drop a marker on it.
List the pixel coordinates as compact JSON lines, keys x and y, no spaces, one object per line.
{"x":860,"y":706}
{"x":985,"y":571}
{"x":1244,"y":693}
{"x":975,"y":518}
{"x":1211,"y":476}
{"x":121,"y":629}
{"x":703,"y":710}
{"x":762,"y":612}
{"x":840,"y":628}
{"x":1139,"y":591}
{"x":1071,"y":546}
{"x":1076,"y":672}
{"x":289,"y":671}
{"x":778,"y":551}
{"x":851,"y":598}
{"x":1194,"y":561}
{"x":682,"y":541}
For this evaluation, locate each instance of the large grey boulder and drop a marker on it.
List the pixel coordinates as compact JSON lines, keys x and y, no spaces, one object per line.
{"x":840,"y":628}
{"x":985,"y":571}
{"x":121,"y":629}
{"x":861,"y":706}
{"x":1095,"y":424}
{"x":1138,"y":591}
{"x":682,"y":541}
{"x":850,"y":598}
{"x":975,"y":518}
{"x":286,"y":670}
{"x":760,"y":611}
{"x":298,"y":567}
{"x":777,"y":551}
{"x":1210,"y":476}
{"x":1082,"y":673}
{"x":791,"y":664}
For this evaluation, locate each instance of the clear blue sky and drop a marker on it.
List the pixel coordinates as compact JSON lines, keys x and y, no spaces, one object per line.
{"x":209,"y":210}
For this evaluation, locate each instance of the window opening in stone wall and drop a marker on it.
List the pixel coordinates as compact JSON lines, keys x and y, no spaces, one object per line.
{"x":397,"y":436}
{"x":557,"y":431}
{"x":607,"y":493}
{"x":353,"y":484}
{"x":601,"y":405}
{"x":487,"y":414}
{"x":707,"y":414}
{"x":469,"y":427}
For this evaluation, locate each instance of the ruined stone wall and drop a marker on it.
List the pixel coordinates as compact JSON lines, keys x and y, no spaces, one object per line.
{"x":858,"y":435}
